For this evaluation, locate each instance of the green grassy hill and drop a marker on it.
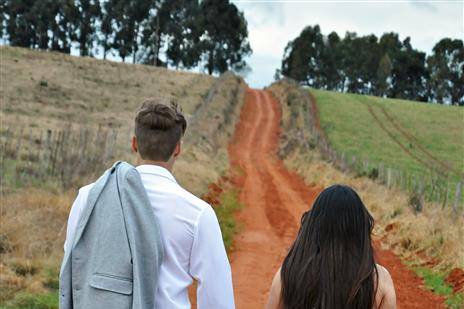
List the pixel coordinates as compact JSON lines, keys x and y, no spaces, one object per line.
{"x":412,"y":137}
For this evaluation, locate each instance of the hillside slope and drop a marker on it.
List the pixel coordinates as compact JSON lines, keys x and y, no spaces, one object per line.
{"x":88,"y":105}
{"x":406,"y":135}
{"x":63,"y":121}
{"x":48,"y":89}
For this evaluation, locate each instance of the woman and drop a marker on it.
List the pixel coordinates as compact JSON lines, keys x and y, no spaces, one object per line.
{"x":331,"y":265}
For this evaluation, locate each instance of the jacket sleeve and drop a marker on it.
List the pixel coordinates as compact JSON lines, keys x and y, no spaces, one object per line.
{"x":209,"y":264}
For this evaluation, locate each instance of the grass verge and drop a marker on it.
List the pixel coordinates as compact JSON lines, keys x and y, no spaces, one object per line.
{"x":229,"y":204}
{"x":435,"y":281}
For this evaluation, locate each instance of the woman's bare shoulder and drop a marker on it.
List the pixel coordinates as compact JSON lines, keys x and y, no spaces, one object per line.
{"x":386,"y":296}
{"x":275,"y":297}
{"x":382,"y":271}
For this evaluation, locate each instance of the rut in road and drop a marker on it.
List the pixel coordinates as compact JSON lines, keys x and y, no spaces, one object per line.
{"x":275,"y":200}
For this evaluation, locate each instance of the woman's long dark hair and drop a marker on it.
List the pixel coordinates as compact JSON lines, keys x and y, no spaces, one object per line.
{"x":331,"y":265}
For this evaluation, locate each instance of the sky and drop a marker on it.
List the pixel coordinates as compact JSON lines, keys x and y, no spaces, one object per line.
{"x":271,"y":24}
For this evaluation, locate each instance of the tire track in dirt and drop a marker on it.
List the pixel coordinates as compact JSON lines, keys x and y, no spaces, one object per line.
{"x":273,"y":207}
{"x":403,"y":147}
{"x":274,"y":200}
{"x":414,"y":141}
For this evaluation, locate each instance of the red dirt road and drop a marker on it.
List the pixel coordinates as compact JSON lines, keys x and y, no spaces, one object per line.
{"x":275,"y":200}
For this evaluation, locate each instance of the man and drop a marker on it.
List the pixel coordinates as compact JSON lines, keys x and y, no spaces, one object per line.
{"x":193,"y":246}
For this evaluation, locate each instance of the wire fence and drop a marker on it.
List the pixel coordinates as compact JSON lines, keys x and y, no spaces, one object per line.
{"x":61,"y":155}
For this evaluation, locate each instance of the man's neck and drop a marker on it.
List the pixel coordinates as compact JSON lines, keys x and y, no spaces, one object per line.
{"x":166,"y":165}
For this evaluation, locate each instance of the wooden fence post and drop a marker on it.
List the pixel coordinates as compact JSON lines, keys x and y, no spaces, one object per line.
{"x":354,"y":163}
{"x":420,"y":206}
{"x":389,"y":177}
{"x":457,"y":197}
{"x":365,"y":167}
{"x":18,"y":145}
{"x":381,"y":173}
{"x":5,"y":144}
{"x":54,"y":154}
{"x":31,"y":143}
{"x":445,"y":200}
{"x":343,"y":164}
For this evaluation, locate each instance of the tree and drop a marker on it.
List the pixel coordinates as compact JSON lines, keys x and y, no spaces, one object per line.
{"x":408,"y":73}
{"x":224,"y":38}
{"x":45,"y":24}
{"x":182,"y":32}
{"x":446,"y":67}
{"x":107,"y":23}
{"x":390,"y":46}
{"x":128,"y":19}
{"x":153,"y":33}
{"x":352,"y":63}
{"x":3,"y":18}
{"x":20,"y":22}
{"x":366,"y":64}
{"x":382,"y":83}
{"x":138,"y":12}
{"x":64,"y":31}
{"x":89,"y":11}
{"x":303,"y":57}
{"x":123,"y":29}
{"x":331,"y":71}
{"x":360,"y":58}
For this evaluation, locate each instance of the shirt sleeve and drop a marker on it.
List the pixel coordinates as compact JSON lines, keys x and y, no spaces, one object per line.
{"x":210,"y":266}
{"x":74,"y":216}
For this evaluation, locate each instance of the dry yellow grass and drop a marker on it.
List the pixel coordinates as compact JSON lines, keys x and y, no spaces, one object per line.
{"x":50,"y":90}
{"x":433,"y":236}
{"x":32,"y":231}
{"x":107,"y":94}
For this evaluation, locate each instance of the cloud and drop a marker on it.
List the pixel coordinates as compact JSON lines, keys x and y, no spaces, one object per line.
{"x":423,"y":5}
{"x":262,"y":13}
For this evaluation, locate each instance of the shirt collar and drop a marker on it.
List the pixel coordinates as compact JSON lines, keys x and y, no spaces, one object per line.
{"x":155,"y":170}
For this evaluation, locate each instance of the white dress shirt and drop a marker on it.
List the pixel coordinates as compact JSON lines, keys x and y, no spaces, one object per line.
{"x":192,"y":242}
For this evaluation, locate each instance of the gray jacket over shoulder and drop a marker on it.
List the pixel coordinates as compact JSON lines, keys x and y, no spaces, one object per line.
{"x":117,"y":250}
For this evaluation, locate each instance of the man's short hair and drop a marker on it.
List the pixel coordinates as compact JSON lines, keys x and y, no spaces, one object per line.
{"x":159,"y":126}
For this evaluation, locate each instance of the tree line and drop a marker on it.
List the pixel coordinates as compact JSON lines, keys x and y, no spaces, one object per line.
{"x":188,"y":33}
{"x":385,"y":66}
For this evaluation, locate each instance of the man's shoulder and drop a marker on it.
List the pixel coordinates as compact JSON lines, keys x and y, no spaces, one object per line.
{"x":191,"y":199}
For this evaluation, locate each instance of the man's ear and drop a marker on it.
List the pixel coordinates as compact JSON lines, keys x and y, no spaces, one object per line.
{"x":134,"y":146}
{"x":178,"y":149}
